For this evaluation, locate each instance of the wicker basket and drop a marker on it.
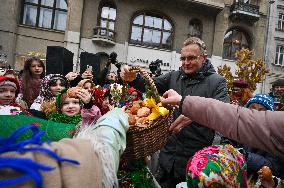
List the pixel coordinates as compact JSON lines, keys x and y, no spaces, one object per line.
{"x":144,"y":141}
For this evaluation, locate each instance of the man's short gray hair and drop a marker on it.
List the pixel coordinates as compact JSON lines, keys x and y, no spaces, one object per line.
{"x":199,"y":42}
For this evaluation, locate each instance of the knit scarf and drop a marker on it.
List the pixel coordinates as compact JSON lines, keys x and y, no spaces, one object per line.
{"x":61,"y":118}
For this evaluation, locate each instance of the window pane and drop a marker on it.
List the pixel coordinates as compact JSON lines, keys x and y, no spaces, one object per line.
{"x":153,"y":22}
{"x":60,"y":20}
{"x":111,"y":34}
{"x":149,"y":21}
{"x":111,"y":25}
{"x":227,"y":37}
{"x":103,"y":31}
{"x":138,"y":20}
{"x":281,"y":59}
{"x":167,"y":25}
{"x":30,"y":13}
{"x":109,"y":13}
{"x":276,"y":58}
{"x":281,"y":49}
{"x":156,"y":38}
{"x":103,"y":23}
{"x":136,"y":34}
{"x":152,"y":36}
{"x":195,"y":30}
{"x":112,"y":13}
{"x":32,"y":1}
{"x":45,"y":18}
{"x":147,"y":37}
{"x":47,"y":2}
{"x":157,"y":23}
{"x":61,"y":4}
{"x":166,"y":38}
{"x":105,"y":12}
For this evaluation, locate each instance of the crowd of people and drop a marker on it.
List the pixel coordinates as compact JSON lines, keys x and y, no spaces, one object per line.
{"x":250,"y":131}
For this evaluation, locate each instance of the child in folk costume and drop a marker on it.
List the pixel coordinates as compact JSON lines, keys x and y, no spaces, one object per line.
{"x":75,"y":106}
{"x":102,"y":99}
{"x":9,"y":90}
{"x":134,"y":94}
{"x":87,"y":84}
{"x":33,"y":73}
{"x":222,"y":166}
{"x":101,"y":96}
{"x":217,"y":166}
{"x":51,"y":85}
{"x":256,"y":158}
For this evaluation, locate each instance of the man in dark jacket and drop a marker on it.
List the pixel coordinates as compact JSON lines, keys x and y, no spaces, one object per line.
{"x":196,"y":77}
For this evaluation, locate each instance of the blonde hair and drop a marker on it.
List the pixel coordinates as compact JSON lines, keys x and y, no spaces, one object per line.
{"x":48,"y":107}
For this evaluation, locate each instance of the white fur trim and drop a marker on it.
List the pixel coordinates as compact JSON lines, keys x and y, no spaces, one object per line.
{"x":109,"y":179}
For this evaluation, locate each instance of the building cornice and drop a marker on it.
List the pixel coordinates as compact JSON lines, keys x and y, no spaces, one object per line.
{"x":219,"y":4}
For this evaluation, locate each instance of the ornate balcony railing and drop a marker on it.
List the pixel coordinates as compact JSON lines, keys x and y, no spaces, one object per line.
{"x":104,"y":35}
{"x":244,"y":11}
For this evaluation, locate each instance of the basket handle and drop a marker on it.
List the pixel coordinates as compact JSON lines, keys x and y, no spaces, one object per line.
{"x":149,"y":81}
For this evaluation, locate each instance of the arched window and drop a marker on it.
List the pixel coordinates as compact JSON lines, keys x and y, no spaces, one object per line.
{"x":106,"y":20}
{"x":234,"y":40}
{"x":149,"y":30}
{"x":51,"y":14}
{"x":195,"y":28}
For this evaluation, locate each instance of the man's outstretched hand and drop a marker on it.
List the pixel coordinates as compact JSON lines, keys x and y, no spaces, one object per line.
{"x":181,"y":122}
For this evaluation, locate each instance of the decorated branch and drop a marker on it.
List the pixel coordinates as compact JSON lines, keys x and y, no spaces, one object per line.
{"x":248,"y":70}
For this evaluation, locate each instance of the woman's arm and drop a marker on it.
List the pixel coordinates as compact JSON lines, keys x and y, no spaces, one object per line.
{"x":258,"y":129}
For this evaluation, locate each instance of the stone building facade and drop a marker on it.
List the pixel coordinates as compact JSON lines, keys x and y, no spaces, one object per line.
{"x":138,"y":31}
{"x":275,"y":43}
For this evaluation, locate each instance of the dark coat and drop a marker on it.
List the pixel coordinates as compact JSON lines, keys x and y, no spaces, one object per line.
{"x":257,"y":158}
{"x":180,"y":147}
